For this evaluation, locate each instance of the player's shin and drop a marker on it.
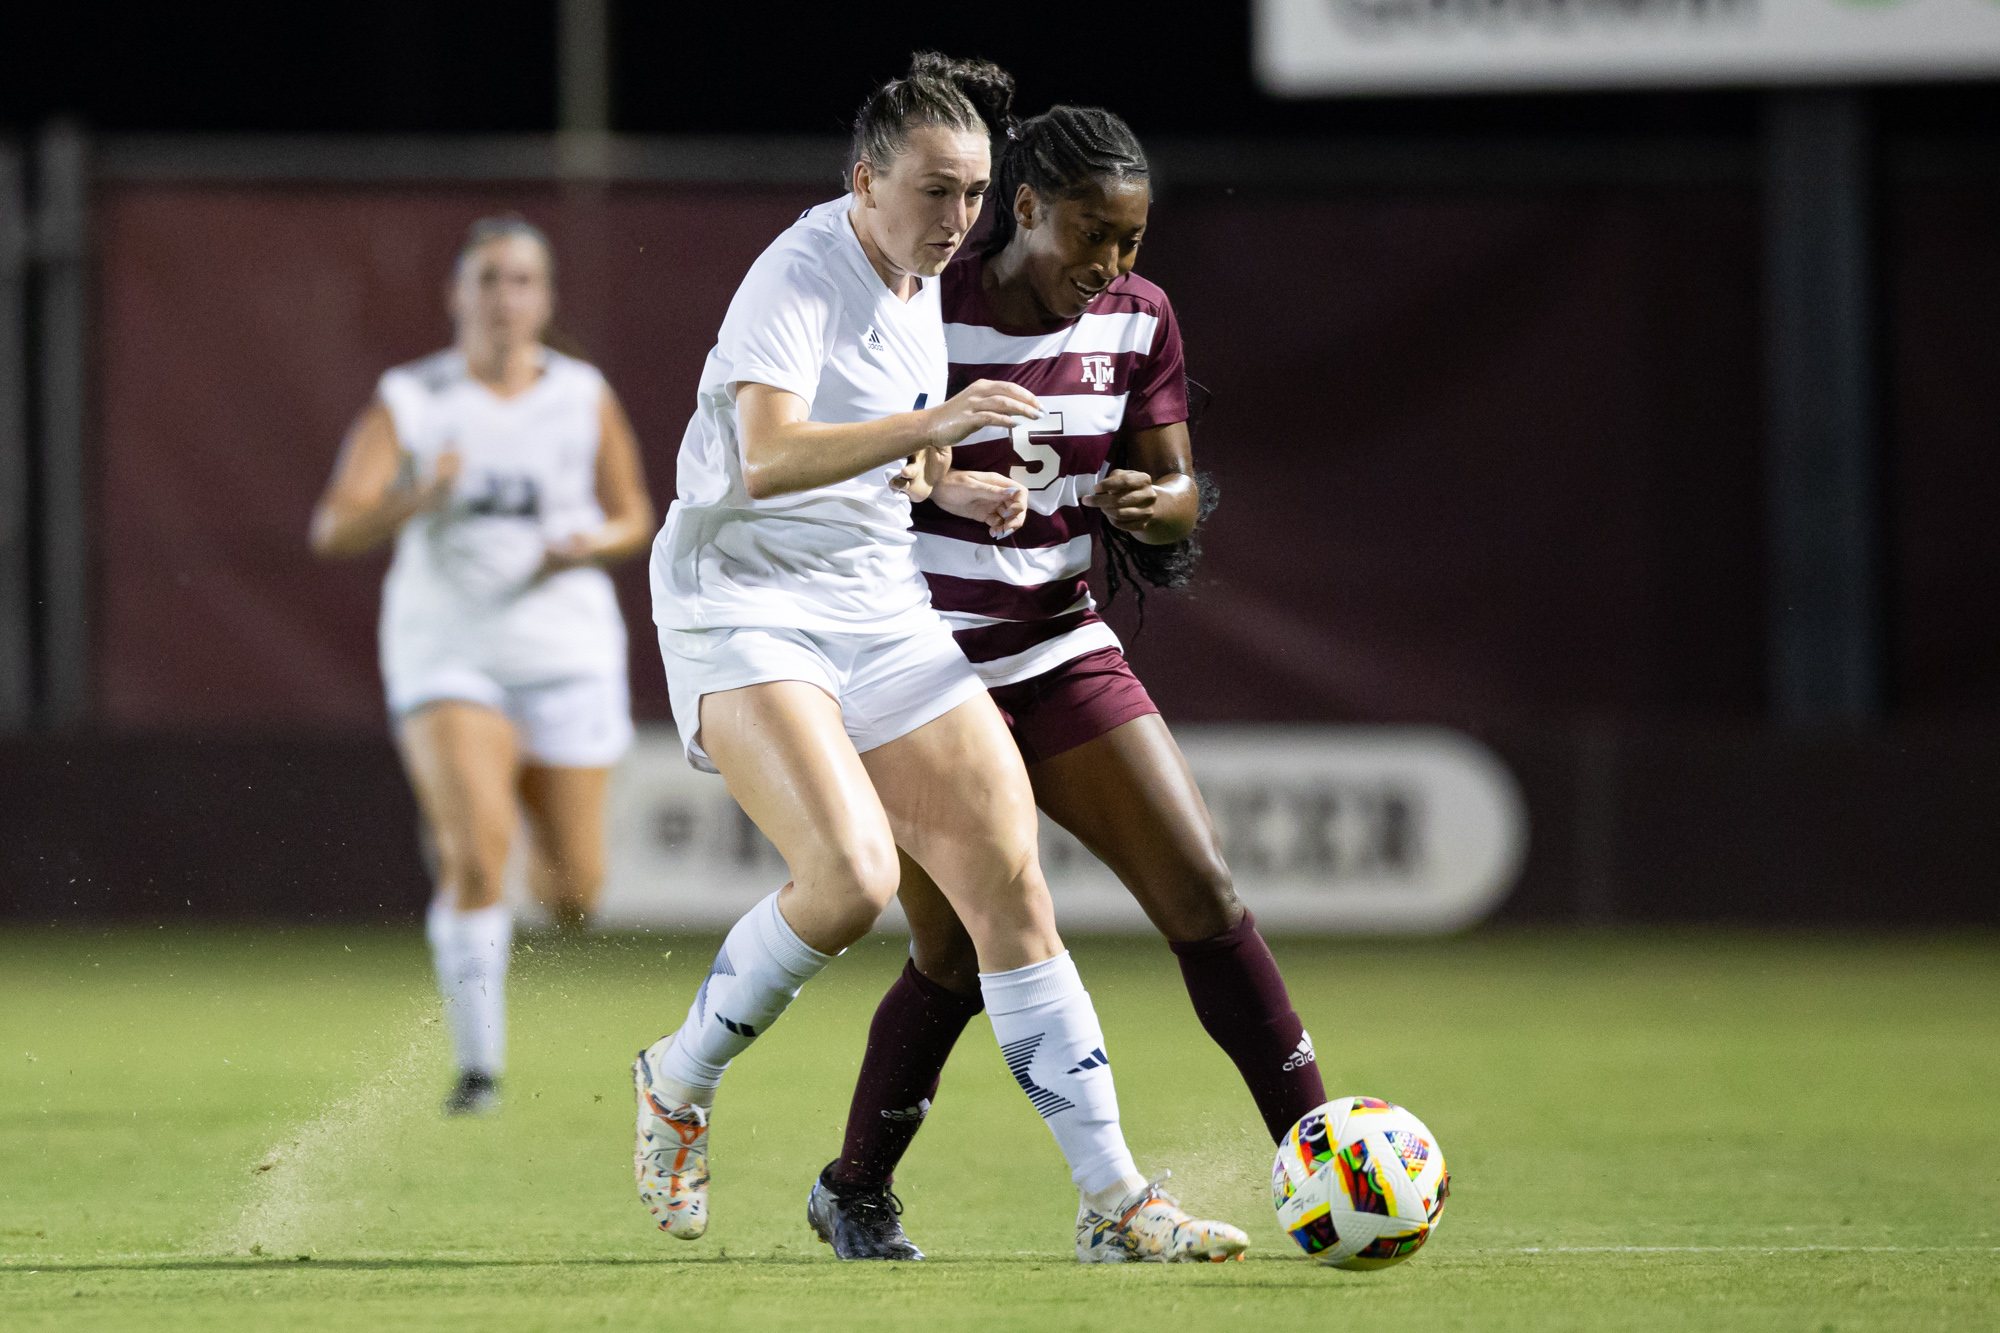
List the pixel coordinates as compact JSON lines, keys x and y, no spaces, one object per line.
{"x":1240,"y":998}
{"x":470,"y":952}
{"x":1049,"y":1036}
{"x":912,"y":1035}
{"x":757,"y":973}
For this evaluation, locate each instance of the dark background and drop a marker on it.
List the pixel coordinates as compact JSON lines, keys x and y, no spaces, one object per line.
{"x":375,"y":66}
{"x":1491,"y":444}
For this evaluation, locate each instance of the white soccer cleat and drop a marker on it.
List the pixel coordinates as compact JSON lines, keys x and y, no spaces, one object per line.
{"x":671,"y":1159}
{"x":1150,"y":1227}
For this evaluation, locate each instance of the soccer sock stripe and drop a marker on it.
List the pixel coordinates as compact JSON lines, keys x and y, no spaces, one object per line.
{"x":1021,"y":1054}
{"x":1048,"y":1034}
{"x":759,"y":970}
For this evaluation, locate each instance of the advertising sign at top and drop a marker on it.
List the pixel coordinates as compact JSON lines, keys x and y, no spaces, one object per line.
{"x":1311,"y":48}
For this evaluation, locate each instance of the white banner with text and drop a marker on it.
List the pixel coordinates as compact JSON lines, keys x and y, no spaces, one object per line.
{"x":1336,"y":829}
{"x":1310,"y":48}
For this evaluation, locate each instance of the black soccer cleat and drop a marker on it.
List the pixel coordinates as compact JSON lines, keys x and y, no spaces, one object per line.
{"x":859,"y":1223}
{"x":474,"y":1094}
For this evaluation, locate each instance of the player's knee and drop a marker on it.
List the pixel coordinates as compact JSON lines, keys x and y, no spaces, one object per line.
{"x":877,"y":876}
{"x":862,"y":873}
{"x":950,"y":959}
{"x":1199,"y":903}
{"x":476,"y":882}
{"x":468,"y":868}
{"x":1008,"y":915}
{"x":1214,"y":885}
{"x":992,"y":867}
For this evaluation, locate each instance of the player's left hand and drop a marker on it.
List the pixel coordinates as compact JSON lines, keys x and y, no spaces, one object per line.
{"x":572,"y":552}
{"x":1127,"y":499}
{"x":1001,"y":503}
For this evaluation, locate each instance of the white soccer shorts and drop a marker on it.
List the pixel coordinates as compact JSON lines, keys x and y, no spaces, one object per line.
{"x":887,"y":685}
{"x":581,"y":722}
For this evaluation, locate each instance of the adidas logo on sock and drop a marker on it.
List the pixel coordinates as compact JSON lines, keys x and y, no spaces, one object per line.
{"x":1303,"y":1056}
{"x":910,"y":1113}
{"x":1097,"y":1059}
{"x":740,"y":1029}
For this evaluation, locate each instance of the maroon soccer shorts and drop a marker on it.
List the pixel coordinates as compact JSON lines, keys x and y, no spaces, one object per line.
{"x":1082,"y":699}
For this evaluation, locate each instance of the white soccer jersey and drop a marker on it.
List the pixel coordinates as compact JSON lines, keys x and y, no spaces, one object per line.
{"x":463,"y":590}
{"x":814,"y":318}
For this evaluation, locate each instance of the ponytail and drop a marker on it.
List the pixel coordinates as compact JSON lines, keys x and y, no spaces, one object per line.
{"x":972,"y":95}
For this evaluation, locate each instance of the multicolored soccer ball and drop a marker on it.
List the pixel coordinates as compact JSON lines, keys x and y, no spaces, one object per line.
{"x":1359,"y":1183}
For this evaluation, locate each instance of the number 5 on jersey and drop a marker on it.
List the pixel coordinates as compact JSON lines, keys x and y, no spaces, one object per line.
{"x":1044,"y":462}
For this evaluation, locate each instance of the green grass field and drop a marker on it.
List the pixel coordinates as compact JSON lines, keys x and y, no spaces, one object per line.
{"x":238,"y":1130}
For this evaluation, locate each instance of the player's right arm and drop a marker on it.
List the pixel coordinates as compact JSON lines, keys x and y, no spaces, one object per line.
{"x":785,"y":452}
{"x":372,"y":493}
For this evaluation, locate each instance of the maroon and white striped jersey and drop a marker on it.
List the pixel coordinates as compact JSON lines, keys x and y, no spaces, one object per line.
{"x":1022,"y":605}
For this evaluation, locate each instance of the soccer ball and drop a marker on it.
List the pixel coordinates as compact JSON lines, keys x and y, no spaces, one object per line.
{"x":1359,"y":1183}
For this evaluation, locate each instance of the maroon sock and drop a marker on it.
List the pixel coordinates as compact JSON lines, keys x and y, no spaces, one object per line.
{"x":1240,"y":998}
{"x":915,"y":1027}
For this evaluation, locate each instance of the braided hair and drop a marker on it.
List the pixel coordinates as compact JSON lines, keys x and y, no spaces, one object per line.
{"x":1127,"y":560}
{"x":1060,"y":154}
{"x":972,"y":95}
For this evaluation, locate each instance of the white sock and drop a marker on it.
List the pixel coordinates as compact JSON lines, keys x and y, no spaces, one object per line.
{"x":760,"y":969}
{"x":1111,"y":1199}
{"x":1048,"y":1034}
{"x":470,"y":950}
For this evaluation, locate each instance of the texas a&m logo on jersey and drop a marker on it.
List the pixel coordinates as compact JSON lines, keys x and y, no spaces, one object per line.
{"x":1097,"y":372}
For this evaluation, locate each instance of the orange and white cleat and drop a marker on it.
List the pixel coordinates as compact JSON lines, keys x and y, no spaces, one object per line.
{"x":1149,"y":1226}
{"x":671,"y":1159}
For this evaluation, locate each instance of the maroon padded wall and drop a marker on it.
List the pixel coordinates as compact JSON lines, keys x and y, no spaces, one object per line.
{"x":1460,"y":439}
{"x":1488,"y":458}
{"x":1481,"y":457}
{"x":241,"y":331}
{"x":1944,"y":465}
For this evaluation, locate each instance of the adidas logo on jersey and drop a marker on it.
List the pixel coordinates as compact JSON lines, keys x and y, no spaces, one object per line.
{"x":873,"y":339}
{"x":1097,"y":1059}
{"x":1303,"y":1056}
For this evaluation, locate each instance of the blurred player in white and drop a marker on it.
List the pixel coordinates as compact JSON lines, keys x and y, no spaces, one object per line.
{"x":808,"y":667}
{"x":508,"y":477}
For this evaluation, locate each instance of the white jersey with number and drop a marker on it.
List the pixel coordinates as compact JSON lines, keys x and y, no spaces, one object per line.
{"x":812,"y":317}
{"x":464,"y":590}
